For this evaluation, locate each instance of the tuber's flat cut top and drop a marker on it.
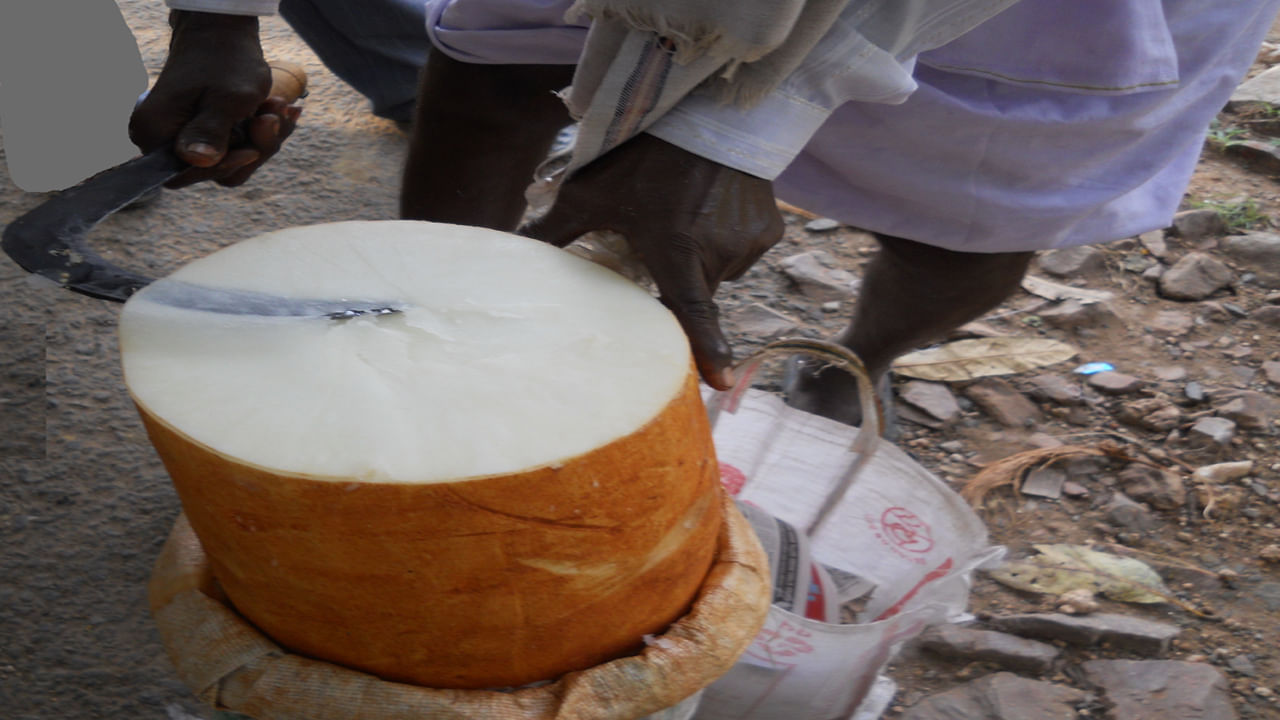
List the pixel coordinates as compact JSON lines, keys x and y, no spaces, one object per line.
{"x":508,"y":354}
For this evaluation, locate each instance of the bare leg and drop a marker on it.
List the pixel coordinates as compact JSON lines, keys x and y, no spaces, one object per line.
{"x":912,"y":294}
{"x":479,"y":133}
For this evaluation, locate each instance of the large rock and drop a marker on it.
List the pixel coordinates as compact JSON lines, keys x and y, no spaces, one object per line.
{"x":1122,"y":632}
{"x":1195,"y":277}
{"x":1162,"y":689}
{"x":1259,"y":253}
{"x":1007,"y":651}
{"x":1003,"y":402}
{"x":1262,"y":88}
{"x":813,"y":274}
{"x":1002,"y":696}
{"x":1073,"y":261}
{"x":1195,"y":225}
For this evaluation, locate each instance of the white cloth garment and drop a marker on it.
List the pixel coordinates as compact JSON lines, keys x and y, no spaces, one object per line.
{"x":1051,"y":124}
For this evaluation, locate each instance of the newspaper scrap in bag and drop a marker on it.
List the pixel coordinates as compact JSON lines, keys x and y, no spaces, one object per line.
{"x":900,"y":543}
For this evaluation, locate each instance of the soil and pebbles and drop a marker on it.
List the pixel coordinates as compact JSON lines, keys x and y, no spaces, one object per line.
{"x":1191,"y":329}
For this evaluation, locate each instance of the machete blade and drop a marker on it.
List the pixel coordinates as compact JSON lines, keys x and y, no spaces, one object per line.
{"x":50,"y":239}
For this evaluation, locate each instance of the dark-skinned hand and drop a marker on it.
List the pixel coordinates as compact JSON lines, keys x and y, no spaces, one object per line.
{"x":214,"y":79}
{"x":693,"y":222}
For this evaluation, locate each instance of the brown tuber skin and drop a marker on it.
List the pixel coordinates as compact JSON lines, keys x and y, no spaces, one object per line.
{"x":489,"y":582}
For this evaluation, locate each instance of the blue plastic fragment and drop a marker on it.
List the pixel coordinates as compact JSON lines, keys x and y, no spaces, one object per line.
{"x":1094,"y":367}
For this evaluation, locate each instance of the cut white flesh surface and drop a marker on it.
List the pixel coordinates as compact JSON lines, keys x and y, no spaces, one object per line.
{"x":508,"y":355}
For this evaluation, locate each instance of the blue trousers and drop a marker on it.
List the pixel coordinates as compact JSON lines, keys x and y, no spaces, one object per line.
{"x":377,"y":46}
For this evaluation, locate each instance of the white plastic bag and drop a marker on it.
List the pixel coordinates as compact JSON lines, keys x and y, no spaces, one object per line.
{"x":897,"y":530}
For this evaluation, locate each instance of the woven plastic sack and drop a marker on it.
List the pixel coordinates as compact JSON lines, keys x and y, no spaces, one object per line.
{"x":231,"y":666}
{"x":866,"y":521}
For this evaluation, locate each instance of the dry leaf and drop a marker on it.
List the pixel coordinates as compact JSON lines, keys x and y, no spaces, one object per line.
{"x":982,"y":357}
{"x":1050,"y":290}
{"x":1062,"y":568}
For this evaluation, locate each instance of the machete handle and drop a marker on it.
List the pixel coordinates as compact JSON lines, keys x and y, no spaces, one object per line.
{"x":288,"y":81}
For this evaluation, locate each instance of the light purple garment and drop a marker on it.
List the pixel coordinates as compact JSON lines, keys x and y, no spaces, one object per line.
{"x":1053,"y":124}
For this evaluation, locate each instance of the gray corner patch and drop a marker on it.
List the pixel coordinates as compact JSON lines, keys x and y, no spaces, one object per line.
{"x":70,"y":73}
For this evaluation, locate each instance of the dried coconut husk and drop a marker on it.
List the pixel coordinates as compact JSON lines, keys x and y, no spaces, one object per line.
{"x":1013,"y":469}
{"x":230,"y":665}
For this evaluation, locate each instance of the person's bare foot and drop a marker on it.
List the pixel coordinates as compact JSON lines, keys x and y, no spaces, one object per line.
{"x":811,"y":386}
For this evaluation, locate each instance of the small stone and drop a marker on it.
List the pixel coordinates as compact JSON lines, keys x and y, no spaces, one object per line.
{"x":1171,"y":322}
{"x":1212,"y":431}
{"x":1223,"y":472}
{"x":1235,"y":310}
{"x":1073,"y":261}
{"x":1114,"y":383}
{"x":1270,"y":554}
{"x":1154,"y":273}
{"x":1271,"y":369}
{"x":1123,"y":632}
{"x":1088,"y":467}
{"x":1196,"y":225}
{"x":1249,"y":410}
{"x":1072,"y":314}
{"x":830,"y":307}
{"x":1003,"y":402}
{"x":1170,"y":373}
{"x":934,"y":399}
{"x":1154,"y":414}
{"x":1213,"y":311}
{"x":1263,"y":692}
{"x":1123,"y":512}
{"x":1194,"y":391}
{"x":1159,"y":489}
{"x":1007,"y":651}
{"x":1059,"y":390}
{"x":1195,"y":277}
{"x":1152,"y":689}
{"x":818,"y":225}
{"x":764,"y":322}
{"x":1043,"y":441}
{"x":1002,"y":696}
{"x":1044,"y":482}
{"x":1078,"y":602}
{"x":1262,"y":88}
{"x":1242,"y":665}
{"x":1074,"y":489}
{"x":1269,"y":593}
{"x":1258,"y":252}
{"x":815,"y":280}
{"x":1154,"y":243}
{"x":1267,"y":315}
{"x":1137,"y":263}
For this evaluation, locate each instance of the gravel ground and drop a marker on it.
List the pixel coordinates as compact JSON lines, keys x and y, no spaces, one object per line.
{"x":84,"y":501}
{"x":86,"y":504}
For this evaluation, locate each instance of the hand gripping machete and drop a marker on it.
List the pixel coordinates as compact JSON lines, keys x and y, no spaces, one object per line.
{"x":50,"y":239}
